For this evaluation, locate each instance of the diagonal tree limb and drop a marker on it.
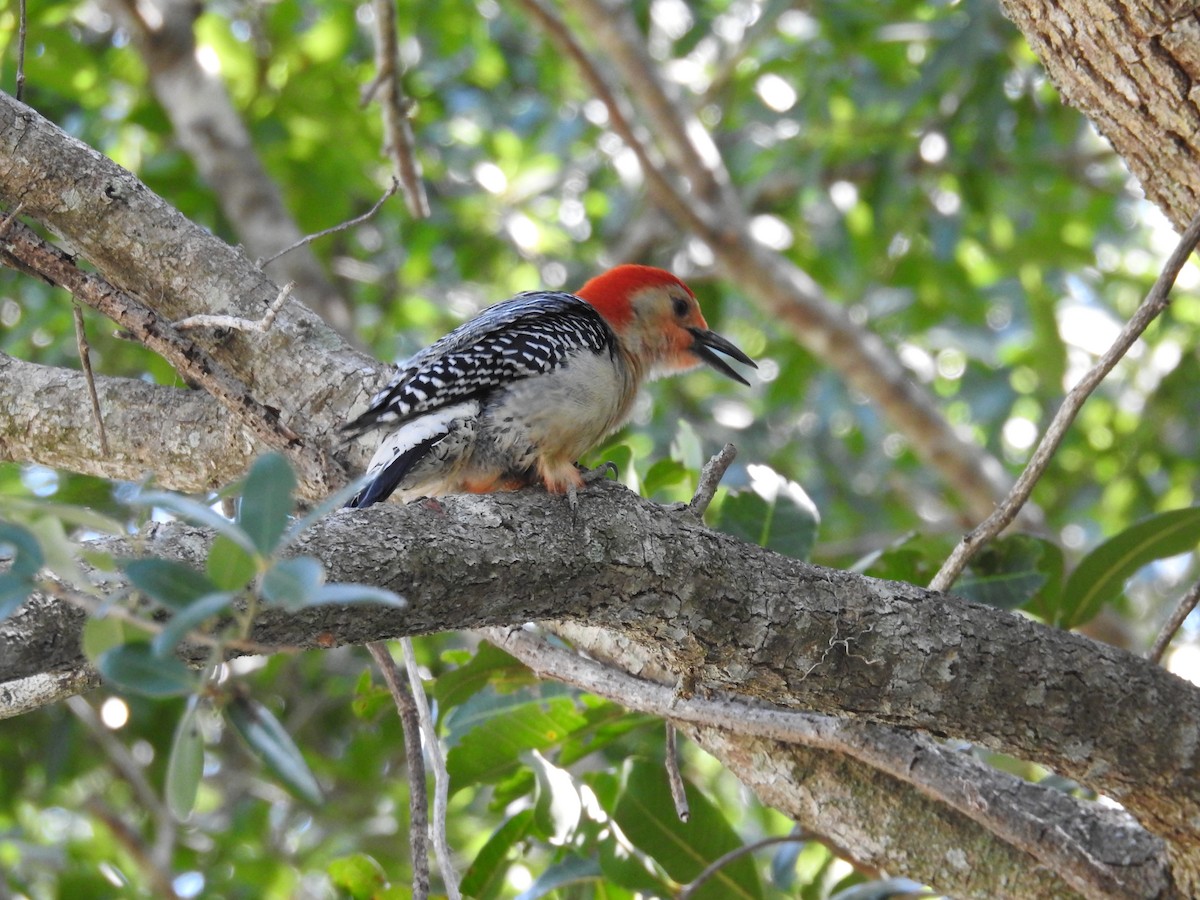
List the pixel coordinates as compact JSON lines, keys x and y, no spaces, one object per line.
{"x":790,"y":295}
{"x":136,"y":239}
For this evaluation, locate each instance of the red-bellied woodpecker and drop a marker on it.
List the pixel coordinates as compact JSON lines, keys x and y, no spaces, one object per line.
{"x":517,"y":394}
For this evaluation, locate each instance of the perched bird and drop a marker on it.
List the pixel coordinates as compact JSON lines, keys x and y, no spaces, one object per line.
{"x":517,"y":394}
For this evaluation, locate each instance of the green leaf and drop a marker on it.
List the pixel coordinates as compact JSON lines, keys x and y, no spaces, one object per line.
{"x":268,"y":740}
{"x":267,"y":501}
{"x":196,"y":513}
{"x":493,"y":749}
{"x":334,"y":501}
{"x":570,"y":870}
{"x":484,"y":878}
{"x":358,"y":875}
{"x":185,"y":766}
{"x":80,"y":516}
{"x":1007,"y":573}
{"x":776,"y":514}
{"x":665,"y":473}
{"x":61,"y":554}
{"x":356,"y":593}
{"x":489,"y":665}
{"x":168,"y":583}
{"x":230,"y":566}
{"x":197,"y":612}
{"x":14,"y":590}
{"x":647,"y":816}
{"x":101,"y":633}
{"x":21,"y":544}
{"x":558,"y":806}
{"x":1101,"y":575}
{"x":136,"y":668}
{"x":293,"y":583}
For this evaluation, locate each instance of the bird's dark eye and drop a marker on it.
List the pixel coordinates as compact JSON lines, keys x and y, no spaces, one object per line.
{"x":680,"y":306}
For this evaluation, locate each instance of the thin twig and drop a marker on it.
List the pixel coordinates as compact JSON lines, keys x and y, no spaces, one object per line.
{"x":733,"y":856}
{"x":85,"y":360}
{"x":349,"y":223}
{"x":1155,"y":302}
{"x":398,"y":141}
{"x":710,"y":476}
{"x":10,"y":218}
{"x":237,"y":323}
{"x":418,"y":797}
{"x":165,"y":830}
{"x":22,"y":31}
{"x":1182,"y":610}
{"x":675,"y":777}
{"x":441,"y":778}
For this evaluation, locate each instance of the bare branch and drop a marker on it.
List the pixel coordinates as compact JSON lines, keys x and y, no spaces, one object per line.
{"x":397,"y":128}
{"x":986,"y":796}
{"x":22,"y":31}
{"x":441,"y":777}
{"x":1182,"y":610}
{"x":418,"y":798}
{"x":710,"y":477}
{"x":732,"y":856}
{"x":195,"y":445}
{"x":85,"y":360}
{"x":237,"y":323}
{"x":1154,"y":303}
{"x":674,"y":776}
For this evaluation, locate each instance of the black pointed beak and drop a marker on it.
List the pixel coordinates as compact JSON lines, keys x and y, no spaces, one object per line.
{"x":704,"y":345}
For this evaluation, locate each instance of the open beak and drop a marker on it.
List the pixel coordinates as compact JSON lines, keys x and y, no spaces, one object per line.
{"x":704,"y":345}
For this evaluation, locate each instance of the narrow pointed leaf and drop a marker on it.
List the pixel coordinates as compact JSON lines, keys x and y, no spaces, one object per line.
{"x":169,"y":583}
{"x":292,"y":583}
{"x":1101,"y":575}
{"x":24,"y":548}
{"x":185,"y":766}
{"x":355,"y":593}
{"x":269,"y":741}
{"x":196,"y":513}
{"x":485,"y":876}
{"x":136,"y":668}
{"x":267,"y":501}
{"x":189,"y":618}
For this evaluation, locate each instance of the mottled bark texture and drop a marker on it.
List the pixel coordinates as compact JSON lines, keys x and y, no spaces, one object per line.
{"x":743,"y":620}
{"x":1133,"y":68}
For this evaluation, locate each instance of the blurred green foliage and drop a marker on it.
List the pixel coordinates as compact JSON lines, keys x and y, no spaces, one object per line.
{"x":911,"y":156}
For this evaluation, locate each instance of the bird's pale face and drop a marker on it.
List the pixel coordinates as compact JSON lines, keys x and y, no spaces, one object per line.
{"x":674,"y":333}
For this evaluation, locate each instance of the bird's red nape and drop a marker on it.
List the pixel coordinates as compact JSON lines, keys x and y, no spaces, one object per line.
{"x":610,"y":291}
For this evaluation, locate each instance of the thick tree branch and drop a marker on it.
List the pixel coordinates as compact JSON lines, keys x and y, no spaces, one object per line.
{"x":741,"y":620}
{"x":1097,"y":852}
{"x":194,"y":445}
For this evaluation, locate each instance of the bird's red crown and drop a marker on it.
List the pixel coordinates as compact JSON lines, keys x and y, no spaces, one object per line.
{"x":610,"y":291}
